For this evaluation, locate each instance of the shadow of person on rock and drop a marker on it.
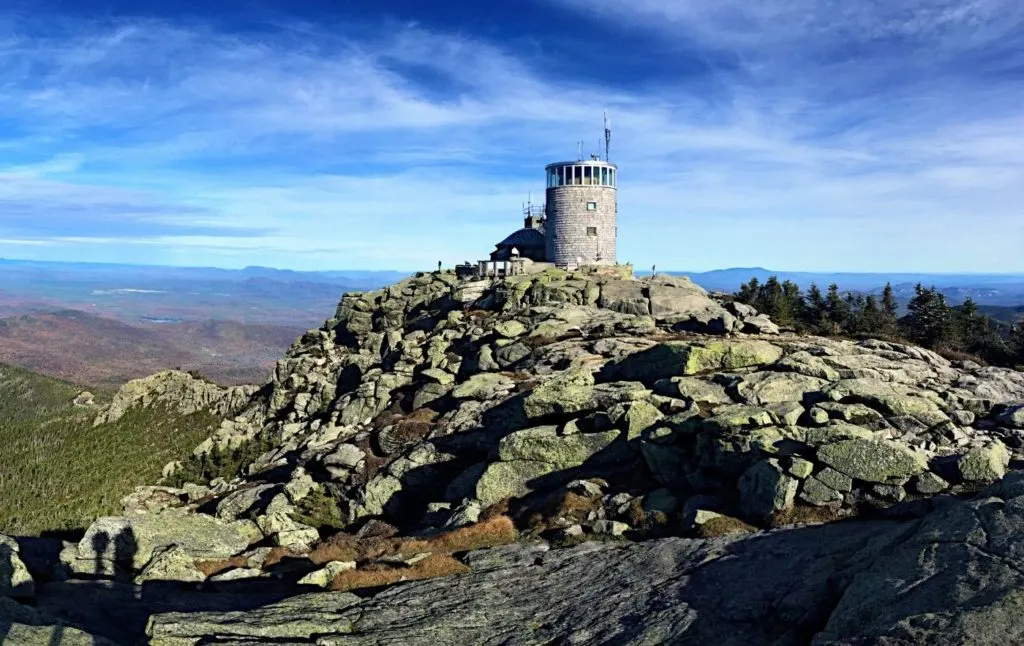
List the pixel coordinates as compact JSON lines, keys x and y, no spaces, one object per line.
{"x":126,"y":546}
{"x":100,"y":543}
{"x":6,"y":567}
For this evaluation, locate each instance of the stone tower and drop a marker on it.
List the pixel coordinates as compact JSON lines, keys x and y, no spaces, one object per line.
{"x":582,"y":213}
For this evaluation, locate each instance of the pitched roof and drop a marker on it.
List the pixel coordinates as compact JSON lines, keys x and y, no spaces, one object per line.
{"x":524,"y":238}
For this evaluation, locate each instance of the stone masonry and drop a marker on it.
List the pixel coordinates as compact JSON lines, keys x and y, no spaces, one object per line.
{"x":577,"y":235}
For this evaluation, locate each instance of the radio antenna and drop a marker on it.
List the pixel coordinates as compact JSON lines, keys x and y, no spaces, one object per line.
{"x":607,"y":135}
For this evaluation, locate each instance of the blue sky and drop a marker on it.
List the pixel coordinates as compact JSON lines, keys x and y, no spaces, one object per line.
{"x":820,"y":135}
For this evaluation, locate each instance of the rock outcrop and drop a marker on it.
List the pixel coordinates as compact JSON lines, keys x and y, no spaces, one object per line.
{"x":669,"y":431}
{"x":178,"y":390}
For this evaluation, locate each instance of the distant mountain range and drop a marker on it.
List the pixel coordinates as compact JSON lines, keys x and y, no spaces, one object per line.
{"x":985,"y":289}
{"x":257,"y":295}
{"x":99,"y":351}
{"x":101,"y":324}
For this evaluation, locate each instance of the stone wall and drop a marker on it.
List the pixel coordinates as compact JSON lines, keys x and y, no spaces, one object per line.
{"x":568,"y":220}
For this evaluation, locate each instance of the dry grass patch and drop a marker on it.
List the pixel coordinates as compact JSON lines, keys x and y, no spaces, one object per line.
{"x":952,"y":354}
{"x":491,"y":532}
{"x":724,"y":526}
{"x":374,"y":576}
{"x":539,"y":341}
{"x":537,"y":515}
{"x":804,"y":516}
{"x":211,"y":568}
{"x":278,"y":554}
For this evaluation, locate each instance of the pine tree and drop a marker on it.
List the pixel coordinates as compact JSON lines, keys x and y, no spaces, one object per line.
{"x":870,"y":316}
{"x":748,"y":292}
{"x":814,"y":310}
{"x":770,"y":301}
{"x":837,"y":310}
{"x":793,"y":298}
{"x":929,"y":321}
{"x":1016,"y":344}
{"x":975,"y":331}
{"x":888,"y":317}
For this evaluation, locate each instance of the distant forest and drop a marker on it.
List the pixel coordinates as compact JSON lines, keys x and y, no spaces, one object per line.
{"x":955,"y":332}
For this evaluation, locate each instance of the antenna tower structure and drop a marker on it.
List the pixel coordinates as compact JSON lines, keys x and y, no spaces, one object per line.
{"x":607,"y":135}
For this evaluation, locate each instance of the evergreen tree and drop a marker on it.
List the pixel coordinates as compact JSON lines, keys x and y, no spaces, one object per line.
{"x":793,"y":298}
{"x":1016,"y":345}
{"x":888,"y":317}
{"x":871,"y":316}
{"x":770,"y":300}
{"x":837,"y":310}
{"x":814,"y":310}
{"x":929,"y":322}
{"x":748,"y":292}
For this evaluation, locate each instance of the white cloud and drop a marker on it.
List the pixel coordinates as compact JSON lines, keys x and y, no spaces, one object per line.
{"x":833,"y":136}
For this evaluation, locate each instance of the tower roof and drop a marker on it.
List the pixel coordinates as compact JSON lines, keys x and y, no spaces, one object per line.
{"x":582,"y":162}
{"x":524,"y":238}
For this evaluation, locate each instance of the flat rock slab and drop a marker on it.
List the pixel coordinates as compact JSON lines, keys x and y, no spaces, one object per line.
{"x":679,"y":591}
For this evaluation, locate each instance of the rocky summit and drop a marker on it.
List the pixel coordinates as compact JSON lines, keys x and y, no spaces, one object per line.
{"x":560,"y":458}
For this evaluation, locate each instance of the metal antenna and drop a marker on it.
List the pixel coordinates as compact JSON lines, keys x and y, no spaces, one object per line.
{"x":579,"y":151}
{"x":607,"y":135}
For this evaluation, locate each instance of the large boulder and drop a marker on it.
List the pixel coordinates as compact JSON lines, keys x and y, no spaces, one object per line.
{"x":685,"y":304}
{"x":15,"y":580}
{"x":131,"y":542}
{"x":567,"y":392}
{"x":889,"y":398}
{"x":625,"y":296}
{"x":984,"y":463}
{"x":679,"y":358}
{"x":1013,"y":416}
{"x":512,"y":479}
{"x":765,"y":489}
{"x":878,"y":461}
{"x":544,"y":444}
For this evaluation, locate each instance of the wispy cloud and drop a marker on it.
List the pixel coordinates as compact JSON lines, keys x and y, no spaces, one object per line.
{"x":817,"y":134}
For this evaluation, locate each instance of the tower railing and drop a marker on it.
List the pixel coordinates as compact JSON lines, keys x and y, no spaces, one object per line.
{"x":533,"y":210}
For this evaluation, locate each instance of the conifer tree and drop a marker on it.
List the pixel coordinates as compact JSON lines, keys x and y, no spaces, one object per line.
{"x":871,"y":316}
{"x":837,"y":310}
{"x":929,"y":321}
{"x":814,"y":310}
{"x":889,"y":315}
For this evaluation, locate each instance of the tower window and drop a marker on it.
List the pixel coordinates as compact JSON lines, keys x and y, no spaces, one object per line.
{"x":592,"y":232}
{"x":591,"y":206}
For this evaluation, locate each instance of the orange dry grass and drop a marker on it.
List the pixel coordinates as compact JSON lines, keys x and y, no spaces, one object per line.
{"x":569,"y":505}
{"x":210,"y":568}
{"x":436,"y":565}
{"x":724,"y":526}
{"x":278,"y":554}
{"x":487,"y":533}
{"x":804,"y":516}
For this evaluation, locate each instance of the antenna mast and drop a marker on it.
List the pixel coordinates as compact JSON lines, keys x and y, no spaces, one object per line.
{"x":607,"y":135}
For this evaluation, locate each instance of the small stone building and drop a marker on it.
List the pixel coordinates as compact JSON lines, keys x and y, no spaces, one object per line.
{"x":528,"y":242}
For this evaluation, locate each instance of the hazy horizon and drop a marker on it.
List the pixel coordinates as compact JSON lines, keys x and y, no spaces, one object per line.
{"x":386,"y":270}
